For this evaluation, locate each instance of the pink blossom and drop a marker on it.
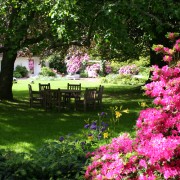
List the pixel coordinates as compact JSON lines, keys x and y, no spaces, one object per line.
{"x":167,"y":58}
{"x":168,"y":51}
{"x":177,"y":46}
{"x":158,"y":48}
{"x":143,"y":163}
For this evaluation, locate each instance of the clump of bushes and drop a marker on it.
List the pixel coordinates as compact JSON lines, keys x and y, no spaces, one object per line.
{"x":63,"y":160}
{"x":46,"y":71}
{"x":20,"y":72}
{"x":129,"y":70}
{"x":122,"y":79}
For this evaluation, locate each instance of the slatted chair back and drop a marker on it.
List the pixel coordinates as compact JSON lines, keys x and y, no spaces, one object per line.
{"x":44,"y":86}
{"x":74,"y":86}
{"x":99,"y":96}
{"x":90,"y":94}
{"x":52,"y":98}
{"x":90,"y":98}
{"x":34,"y":97}
{"x":73,"y":95}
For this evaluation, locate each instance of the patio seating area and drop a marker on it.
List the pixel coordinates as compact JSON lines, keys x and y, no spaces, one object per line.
{"x":73,"y":97}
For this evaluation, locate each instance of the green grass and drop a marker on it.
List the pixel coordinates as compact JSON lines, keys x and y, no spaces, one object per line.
{"x":24,"y":129}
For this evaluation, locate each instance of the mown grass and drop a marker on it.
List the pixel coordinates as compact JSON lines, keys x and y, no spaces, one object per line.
{"x":24,"y":129}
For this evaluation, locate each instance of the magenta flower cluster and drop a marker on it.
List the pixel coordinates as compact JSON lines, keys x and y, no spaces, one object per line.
{"x":168,"y":53}
{"x":129,"y":70}
{"x":74,"y":63}
{"x":155,"y":151}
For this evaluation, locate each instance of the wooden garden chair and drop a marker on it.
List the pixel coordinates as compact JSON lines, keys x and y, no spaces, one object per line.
{"x":53,"y":99}
{"x":34,"y":97}
{"x":44,"y":86}
{"x":89,"y":99}
{"x":99,"y":96}
{"x":73,"y":95}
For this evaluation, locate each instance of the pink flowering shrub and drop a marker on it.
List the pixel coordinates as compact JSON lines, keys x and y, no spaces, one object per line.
{"x":155,"y":151}
{"x":129,"y":70}
{"x":108,"y":69}
{"x":94,"y":69}
{"x":75,"y":62}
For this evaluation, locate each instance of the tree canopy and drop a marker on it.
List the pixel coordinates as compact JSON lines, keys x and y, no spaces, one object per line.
{"x":111,"y":28}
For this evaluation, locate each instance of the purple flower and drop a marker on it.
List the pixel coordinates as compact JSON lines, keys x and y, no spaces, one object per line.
{"x":102,"y":114}
{"x":61,"y":139}
{"x":99,"y":136}
{"x":83,"y":143}
{"x":104,"y":124}
{"x":86,"y":126}
{"x":93,"y":126}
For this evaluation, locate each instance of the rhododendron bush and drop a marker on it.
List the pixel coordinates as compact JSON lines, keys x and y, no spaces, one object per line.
{"x":155,"y":151}
{"x":74,"y":63}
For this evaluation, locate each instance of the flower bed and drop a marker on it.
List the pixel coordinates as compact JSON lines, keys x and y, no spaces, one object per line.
{"x":155,"y":151}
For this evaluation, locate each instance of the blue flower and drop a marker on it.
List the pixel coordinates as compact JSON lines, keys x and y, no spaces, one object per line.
{"x":86,"y":126}
{"x":103,"y":129}
{"x":61,"y":139}
{"x":93,"y":126}
{"x":104,"y":124}
{"x":99,"y":136}
{"x":83,"y":143}
{"x":102,"y":114}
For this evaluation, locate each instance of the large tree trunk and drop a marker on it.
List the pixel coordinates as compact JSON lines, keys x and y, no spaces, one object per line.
{"x":6,"y":75}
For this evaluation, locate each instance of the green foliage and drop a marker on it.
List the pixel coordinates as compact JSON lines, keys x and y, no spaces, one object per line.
{"x":56,"y":61}
{"x":16,"y":166}
{"x":111,"y":28}
{"x":83,"y":75}
{"x":64,"y":160}
{"x":143,"y":62}
{"x":20,"y":71}
{"x":17,"y":74}
{"x":122,"y":79}
{"x":55,"y":160}
{"x":46,"y":71}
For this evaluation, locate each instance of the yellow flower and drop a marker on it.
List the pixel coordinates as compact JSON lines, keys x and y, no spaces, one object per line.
{"x":143,"y":104}
{"x":117,"y":114}
{"x":105,"y":135}
{"x":90,"y":138}
{"x":126,"y":111}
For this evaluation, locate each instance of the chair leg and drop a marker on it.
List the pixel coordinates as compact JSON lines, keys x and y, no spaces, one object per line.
{"x":94,"y":105}
{"x":31,"y":103}
{"x":85,"y":107}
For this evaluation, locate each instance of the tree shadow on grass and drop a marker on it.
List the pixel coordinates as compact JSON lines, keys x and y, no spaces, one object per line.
{"x":21,"y":125}
{"x":26,"y":129}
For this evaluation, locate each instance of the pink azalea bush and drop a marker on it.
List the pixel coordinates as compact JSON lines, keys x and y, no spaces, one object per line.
{"x":129,"y":70}
{"x":108,"y":69}
{"x":155,"y":151}
{"x":75,"y":62}
{"x":94,"y":69}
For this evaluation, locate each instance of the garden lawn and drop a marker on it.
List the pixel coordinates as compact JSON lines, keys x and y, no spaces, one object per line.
{"x":24,"y":129}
